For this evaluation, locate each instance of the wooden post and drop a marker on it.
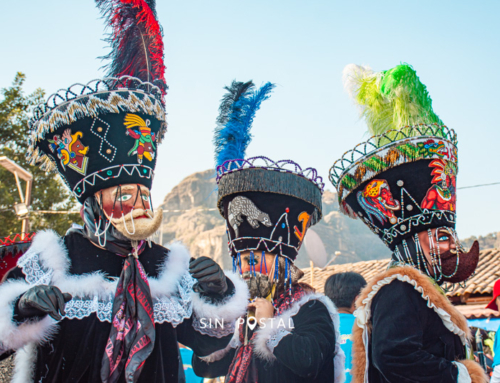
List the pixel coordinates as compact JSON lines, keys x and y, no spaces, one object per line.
{"x":312,"y":272}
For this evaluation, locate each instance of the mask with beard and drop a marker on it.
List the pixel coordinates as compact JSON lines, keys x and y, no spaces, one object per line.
{"x":467,"y":263}
{"x":139,"y":224}
{"x":259,"y":285}
{"x":456,"y":265}
{"x":116,"y":235}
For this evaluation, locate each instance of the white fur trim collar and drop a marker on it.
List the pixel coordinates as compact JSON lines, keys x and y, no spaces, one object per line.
{"x":219,"y":319}
{"x":267,"y":338}
{"x":47,"y":262}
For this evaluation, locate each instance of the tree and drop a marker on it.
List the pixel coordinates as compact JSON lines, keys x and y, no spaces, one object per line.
{"x":49,"y":192}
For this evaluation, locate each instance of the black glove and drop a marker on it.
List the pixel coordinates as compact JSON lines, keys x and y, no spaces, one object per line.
{"x":40,"y":301}
{"x":211,"y":278}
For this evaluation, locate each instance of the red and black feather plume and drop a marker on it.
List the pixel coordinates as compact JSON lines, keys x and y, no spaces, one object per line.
{"x":136,"y":40}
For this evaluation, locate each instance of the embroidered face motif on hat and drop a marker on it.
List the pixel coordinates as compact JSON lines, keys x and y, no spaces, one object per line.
{"x":377,"y":201}
{"x":402,"y":182}
{"x":139,"y":130}
{"x":70,"y":151}
{"x":102,"y":138}
{"x":408,"y":191}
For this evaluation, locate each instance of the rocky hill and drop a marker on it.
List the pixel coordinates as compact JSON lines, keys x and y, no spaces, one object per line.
{"x":190,"y":215}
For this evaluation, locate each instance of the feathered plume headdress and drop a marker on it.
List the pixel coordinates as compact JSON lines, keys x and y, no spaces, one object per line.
{"x":236,"y":114}
{"x":389,"y":100}
{"x":136,"y":40}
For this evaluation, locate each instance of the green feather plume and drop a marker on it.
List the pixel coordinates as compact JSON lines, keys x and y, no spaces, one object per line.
{"x":390,"y":100}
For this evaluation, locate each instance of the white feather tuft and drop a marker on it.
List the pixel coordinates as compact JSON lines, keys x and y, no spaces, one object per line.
{"x":351,"y":76}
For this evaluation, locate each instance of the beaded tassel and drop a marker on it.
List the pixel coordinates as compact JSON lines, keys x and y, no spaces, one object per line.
{"x":252,"y":263}
{"x":263,"y":261}
{"x":289,"y":279}
{"x":238,"y":262}
{"x":276,"y":266}
{"x":234,"y":264}
{"x":286,"y":273}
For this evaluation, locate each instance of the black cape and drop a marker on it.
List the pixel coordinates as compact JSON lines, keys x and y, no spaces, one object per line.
{"x":75,"y":352}
{"x":409,"y":342}
{"x":306,"y":355}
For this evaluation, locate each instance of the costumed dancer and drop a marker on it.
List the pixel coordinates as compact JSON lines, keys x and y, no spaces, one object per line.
{"x":402,"y":184}
{"x":290,"y":333}
{"x":104,"y":303}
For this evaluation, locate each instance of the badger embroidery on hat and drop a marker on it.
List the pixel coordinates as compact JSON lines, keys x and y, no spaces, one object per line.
{"x":243,"y":206}
{"x":268,"y":205}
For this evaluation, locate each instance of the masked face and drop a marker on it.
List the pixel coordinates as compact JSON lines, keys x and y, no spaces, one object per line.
{"x":456,"y":264}
{"x":256,"y":271}
{"x":128,"y":207}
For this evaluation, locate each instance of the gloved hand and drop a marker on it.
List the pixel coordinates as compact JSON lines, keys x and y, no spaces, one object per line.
{"x":40,"y":301}
{"x":211,"y":278}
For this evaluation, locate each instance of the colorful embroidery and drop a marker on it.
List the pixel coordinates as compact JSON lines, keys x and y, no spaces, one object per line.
{"x":368,"y":159}
{"x":243,"y":206}
{"x":441,"y":195}
{"x":305,"y":218}
{"x":431,"y":147}
{"x":70,"y":151}
{"x":376,"y":200}
{"x":139,"y":129}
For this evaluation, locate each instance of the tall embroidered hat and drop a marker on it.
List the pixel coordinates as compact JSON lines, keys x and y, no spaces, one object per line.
{"x":402,"y":182}
{"x":268,"y":206}
{"x":403,"y":179}
{"x":107,"y":132}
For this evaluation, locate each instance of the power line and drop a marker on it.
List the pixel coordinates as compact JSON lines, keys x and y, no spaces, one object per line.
{"x":477,"y":186}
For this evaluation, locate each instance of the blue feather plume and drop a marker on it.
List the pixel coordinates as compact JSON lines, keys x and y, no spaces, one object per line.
{"x":237,"y":112}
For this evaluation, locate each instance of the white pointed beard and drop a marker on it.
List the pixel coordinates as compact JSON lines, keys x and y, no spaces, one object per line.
{"x":138,"y":229}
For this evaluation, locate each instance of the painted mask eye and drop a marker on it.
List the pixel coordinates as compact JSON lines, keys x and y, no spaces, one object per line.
{"x":253,"y":262}
{"x":443,"y":238}
{"x":124,"y":197}
{"x":145,"y":197}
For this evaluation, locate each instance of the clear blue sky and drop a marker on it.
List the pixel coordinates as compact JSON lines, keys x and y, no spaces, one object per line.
{"x":302,"y":46}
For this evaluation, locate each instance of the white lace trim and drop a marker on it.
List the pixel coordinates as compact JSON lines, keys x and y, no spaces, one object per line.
{"x":171,"y":304}
{"x":173,"y":309}
{"x":33,"y":270}
{"x":46,"y":262}
{"x":363,"y":314}
{"x":274,"y":339}
{"x":267,"y":333}
{"x":217,"y":329}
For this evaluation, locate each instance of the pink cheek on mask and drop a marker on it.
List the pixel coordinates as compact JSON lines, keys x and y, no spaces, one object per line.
{"x":124,"y":208}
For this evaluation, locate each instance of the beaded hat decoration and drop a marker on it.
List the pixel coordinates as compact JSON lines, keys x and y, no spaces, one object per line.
{"x":268,"y":206}
{"x":106,"y":133}
{"x":403,"y":179}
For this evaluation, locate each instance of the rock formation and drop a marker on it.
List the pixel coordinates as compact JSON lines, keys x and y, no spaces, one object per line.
{"x":191,"y":216}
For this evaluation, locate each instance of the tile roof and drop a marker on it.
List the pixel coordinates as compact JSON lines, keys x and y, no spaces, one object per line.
{"x":487,"y":272}
{"x":477,"y":311}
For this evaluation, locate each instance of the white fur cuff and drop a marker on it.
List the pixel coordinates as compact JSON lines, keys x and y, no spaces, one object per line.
{"x":219,"y":319}
{"x":463,"y":374}
{"x":12,"y":335}
{"x":270,"y":334}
